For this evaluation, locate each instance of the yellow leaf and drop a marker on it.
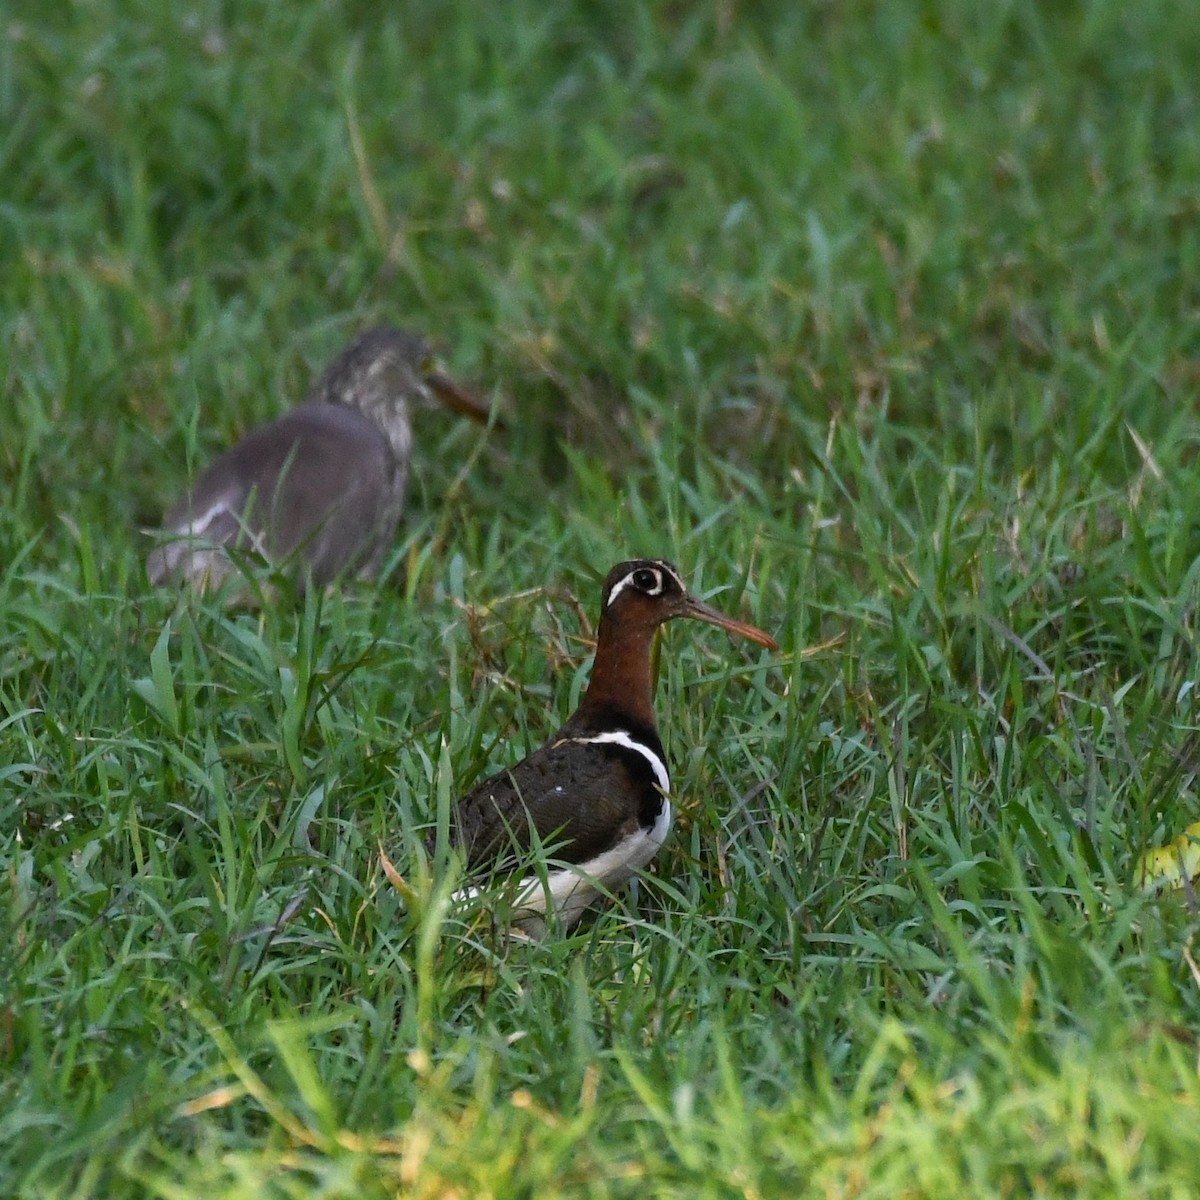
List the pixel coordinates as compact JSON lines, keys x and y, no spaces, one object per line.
{"x":395,"y":878}
{"x":1178,"y":860}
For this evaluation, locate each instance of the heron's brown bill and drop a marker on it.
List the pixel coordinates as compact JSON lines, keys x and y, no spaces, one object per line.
{"x":456,"y":398}
{"x":704,"y":612}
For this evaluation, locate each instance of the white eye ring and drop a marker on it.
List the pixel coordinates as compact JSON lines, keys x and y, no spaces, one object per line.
{"x":652,"y":588}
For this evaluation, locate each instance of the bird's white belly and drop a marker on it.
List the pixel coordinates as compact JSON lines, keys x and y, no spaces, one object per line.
{"x":570,"y":890}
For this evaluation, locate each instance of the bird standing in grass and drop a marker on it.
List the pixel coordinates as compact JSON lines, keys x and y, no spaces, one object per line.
{"x":319,"y":492}
{"x":598,"y":793}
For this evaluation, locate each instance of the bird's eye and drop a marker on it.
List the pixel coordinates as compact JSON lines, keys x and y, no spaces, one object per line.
{"x":647,"y":581}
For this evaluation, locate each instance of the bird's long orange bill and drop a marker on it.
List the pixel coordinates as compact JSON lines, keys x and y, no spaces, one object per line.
{"x":457,"y":398}
{"x":703,"y":612}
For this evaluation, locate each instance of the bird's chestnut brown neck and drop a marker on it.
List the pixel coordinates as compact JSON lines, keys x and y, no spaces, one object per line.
{"x":621,"y":682}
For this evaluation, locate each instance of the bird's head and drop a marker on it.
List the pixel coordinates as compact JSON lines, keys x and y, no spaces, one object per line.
{"x":645,"y":593}
{"x":383,"y":371}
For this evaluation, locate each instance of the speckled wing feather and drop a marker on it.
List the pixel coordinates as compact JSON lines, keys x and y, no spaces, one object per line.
{"x":582,"y":798}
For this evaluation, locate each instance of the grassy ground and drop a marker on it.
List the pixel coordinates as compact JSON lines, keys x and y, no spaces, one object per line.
{"x":882,"y":321}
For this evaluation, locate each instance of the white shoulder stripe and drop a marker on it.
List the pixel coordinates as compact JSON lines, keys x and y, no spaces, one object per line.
{"x":618,"y":737}
{"x":198,"y":524}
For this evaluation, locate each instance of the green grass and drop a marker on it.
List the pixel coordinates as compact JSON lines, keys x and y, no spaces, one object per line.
{"x":881,"y":320}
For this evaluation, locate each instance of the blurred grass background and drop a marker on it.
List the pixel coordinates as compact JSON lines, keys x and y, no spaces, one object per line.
{"x":881,"y":321}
